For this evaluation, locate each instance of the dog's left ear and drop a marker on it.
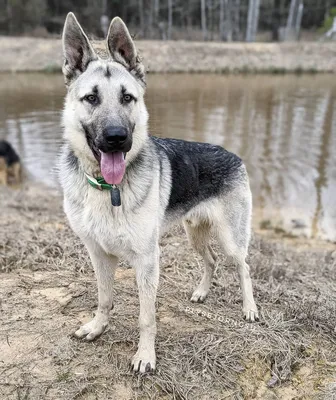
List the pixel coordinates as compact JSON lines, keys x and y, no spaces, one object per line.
{"x":120,"y":43}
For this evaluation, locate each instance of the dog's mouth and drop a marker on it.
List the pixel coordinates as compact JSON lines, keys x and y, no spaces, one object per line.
{"x":111,"y":158}
{"x":113,"y":166}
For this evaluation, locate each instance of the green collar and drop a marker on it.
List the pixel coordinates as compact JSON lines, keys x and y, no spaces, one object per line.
{"x":98,"y":183}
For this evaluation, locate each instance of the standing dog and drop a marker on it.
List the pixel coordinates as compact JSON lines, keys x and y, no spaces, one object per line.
{"x":109,"y":158}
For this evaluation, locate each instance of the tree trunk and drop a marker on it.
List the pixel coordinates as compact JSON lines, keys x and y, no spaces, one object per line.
{"x":141,"y":17}
{"x":236,"y":20}
{"x":221,"y":19}
{"x":228,"y":20}
{"x":276,"y":20}
{"x":252,"y":20}
{"x":189,"y":16}
{"x":290,"y":19}
{"x":170,"y":19}
{"x":156,"y":10}
{"x":249,"y":21}
{"x":256,"y":18}
{"x":10,"y":18}
{"x":203,"y":20}
{"x":104,"y":7}
{"x":298,"y":20}
{"x":156,"y":17}
{"x":210,"y":19}
{"x":150,"y":18}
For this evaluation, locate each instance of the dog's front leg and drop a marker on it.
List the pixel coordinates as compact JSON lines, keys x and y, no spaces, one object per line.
{"x":104,"y":266}
{"x":147,"y":276}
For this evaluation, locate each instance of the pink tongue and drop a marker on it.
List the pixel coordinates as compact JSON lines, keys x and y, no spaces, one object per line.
{"x":112,"y":166}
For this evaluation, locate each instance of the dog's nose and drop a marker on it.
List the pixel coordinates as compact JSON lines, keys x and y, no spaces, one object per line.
{"x":115,"y":134}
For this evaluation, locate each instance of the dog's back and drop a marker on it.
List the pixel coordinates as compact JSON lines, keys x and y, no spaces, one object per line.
{"x":8,"y":153}
{"x":199,"y":171}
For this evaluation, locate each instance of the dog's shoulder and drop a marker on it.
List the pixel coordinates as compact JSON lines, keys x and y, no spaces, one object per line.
{"x":69,"y":160}
{"x":68,"y":171}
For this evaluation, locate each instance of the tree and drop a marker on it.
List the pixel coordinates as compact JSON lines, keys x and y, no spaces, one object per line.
{"x":170,"y":19}
{"x":252,"y":20}
{"x":203,"y":20}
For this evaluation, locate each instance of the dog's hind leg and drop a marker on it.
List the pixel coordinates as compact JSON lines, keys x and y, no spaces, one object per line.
{"x":233,"y":231}
{"x":104,"y":266}
{"x":16,"y":168}
{"x":147,"y":276}
{"x":199,"y":238}
{"x":3,"y":171}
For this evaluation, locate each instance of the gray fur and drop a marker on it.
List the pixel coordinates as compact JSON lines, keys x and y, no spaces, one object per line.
{"x":165,"y":181}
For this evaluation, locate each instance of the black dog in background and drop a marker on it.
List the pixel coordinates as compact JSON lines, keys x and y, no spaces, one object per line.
{"x":10,"y":165}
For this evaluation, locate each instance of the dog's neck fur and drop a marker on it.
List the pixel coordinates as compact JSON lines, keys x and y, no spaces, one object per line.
{"x":134,"y":189}
{"x":86,"y":163}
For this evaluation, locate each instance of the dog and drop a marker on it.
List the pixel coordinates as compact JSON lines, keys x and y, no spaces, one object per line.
{"x":123,"y":188}
{"x":10,"y":165}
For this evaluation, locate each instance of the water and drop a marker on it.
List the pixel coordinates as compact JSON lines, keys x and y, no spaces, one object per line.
{"x":284,"y":128}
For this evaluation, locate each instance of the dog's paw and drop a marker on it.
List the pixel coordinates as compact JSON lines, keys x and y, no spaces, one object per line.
{"x":144,"y":361}
{"x":251,"y":315}
{"x":199,"y":295}
{"x":91,"y":330}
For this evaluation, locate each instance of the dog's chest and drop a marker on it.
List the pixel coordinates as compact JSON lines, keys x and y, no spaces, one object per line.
{"x":118,"y":230}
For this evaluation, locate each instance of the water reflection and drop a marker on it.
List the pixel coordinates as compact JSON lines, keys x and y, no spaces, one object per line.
{"x":283,"y":127}
{"x":30,"y":119}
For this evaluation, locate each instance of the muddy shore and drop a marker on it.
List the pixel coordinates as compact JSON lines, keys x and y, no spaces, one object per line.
{"x":205,"y":351}
{"x":34,"y":54}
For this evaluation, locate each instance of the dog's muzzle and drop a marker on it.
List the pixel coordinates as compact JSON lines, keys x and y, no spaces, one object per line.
{"x":115,"y":138}
{"x":113,"y":144}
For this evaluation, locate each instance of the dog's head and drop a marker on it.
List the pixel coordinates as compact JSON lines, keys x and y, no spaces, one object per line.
{"x":105,"y":117}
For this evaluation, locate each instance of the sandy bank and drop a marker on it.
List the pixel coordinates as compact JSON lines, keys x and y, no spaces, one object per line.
{"x":33,"y":54}
{"x":205,"y":351}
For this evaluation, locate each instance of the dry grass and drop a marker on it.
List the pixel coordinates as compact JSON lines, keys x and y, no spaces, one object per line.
{"x":204,"y":351}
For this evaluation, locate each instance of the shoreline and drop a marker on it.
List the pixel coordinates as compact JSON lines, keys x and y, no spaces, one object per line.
{"x":26,"y":54}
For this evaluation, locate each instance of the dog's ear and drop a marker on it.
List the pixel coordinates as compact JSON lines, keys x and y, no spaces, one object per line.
{"x":120,"y":43}
{"x":77,"y":49}
{"x":122,"y":49}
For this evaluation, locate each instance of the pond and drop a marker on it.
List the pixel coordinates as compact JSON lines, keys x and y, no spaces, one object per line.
{"x":283,"y":127}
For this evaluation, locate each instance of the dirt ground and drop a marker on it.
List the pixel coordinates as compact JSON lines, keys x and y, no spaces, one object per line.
{"x":204,"y":351}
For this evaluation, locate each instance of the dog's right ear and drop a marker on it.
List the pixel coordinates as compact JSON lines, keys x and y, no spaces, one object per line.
{"x":122,"y":49}
{"x":120,"y":43}
{"x":77,"y":49}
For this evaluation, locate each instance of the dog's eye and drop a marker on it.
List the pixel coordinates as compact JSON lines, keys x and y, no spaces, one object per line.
{"x":127,"y":98}
{"x":92,"y":99}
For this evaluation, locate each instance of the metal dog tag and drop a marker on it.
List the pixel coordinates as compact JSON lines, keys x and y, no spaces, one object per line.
{"x":115,"y":196}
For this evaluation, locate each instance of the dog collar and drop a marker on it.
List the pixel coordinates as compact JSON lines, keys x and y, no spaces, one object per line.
{"x":100,"y":184}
